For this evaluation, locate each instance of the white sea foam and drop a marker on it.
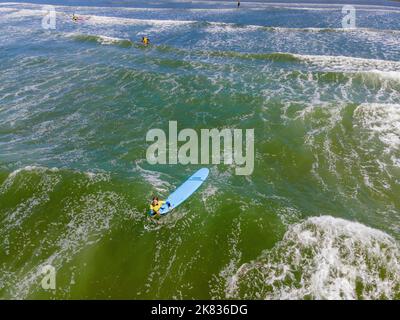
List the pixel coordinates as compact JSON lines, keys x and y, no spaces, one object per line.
{"x":250,"y":5}
{"x":109,"y":40}
{"x":103,"y":39}
{"x":350,"y":64}
{"x":221,"y":27}
{"x":6,"y":9}
{"x":154,"y":178}
{"x":130,"y":21}
{"x":98,"y":19}
{"x":323,"y":258}
{"x":310,"y":6}
{"x":23,"y":13}
{"x":390,"y":75}
{"x":383,"y":121}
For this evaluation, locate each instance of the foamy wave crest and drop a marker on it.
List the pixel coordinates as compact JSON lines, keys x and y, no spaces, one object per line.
{"x":224,"y":27}
{"x":382,"y":121}
{"x":22,"y":13}
{"x":102,"y":39}
{"x":6,"y":9}
{"x":130,"y":21}
{"x":387,"y":68}
{"x":323,"y":258}
{"x":154,"y":178}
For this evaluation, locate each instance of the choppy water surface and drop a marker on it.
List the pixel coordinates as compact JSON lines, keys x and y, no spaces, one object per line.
{"x":318,"y":219}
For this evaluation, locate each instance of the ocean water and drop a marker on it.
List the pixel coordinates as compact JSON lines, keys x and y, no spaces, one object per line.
{"x":319,"y":218}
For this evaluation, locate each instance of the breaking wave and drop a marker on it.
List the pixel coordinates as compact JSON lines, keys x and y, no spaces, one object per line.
{"x":382,"y":121}
{"x":323,"y":258}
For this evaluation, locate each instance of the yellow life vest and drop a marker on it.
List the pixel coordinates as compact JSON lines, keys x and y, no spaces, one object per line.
{"x":157,"y":207}
{"x":146,"y":40}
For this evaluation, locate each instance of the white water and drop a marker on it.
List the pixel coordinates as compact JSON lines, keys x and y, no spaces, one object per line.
{"x":324,"y":258}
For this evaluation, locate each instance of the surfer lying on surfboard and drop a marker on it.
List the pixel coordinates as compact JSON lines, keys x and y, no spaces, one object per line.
{"x":160,"y":208}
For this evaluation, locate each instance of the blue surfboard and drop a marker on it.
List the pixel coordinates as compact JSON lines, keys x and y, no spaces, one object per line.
{"x":184,"y":191}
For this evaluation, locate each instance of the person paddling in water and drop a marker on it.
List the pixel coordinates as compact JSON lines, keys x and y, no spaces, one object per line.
{"x":145,"y":41}
{"x":155,"y":207}
{"x":75,"y":18}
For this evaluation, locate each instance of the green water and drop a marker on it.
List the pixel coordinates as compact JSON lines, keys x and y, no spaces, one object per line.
{"x":319,"y":218}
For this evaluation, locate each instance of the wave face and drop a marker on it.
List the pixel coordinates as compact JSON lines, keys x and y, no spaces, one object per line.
{"x":318,"y":219}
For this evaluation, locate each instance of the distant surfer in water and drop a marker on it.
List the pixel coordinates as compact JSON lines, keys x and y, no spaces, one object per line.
{"x":238,"y":3}
{"x":75,"y":18}
{"x":145,"y":41}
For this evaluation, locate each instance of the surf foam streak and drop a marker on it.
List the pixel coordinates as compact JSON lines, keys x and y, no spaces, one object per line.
{"x":218,"y":27}
{"x":305,"y":6}
{"x":212,"y":27}
{"x":383,"y":121}
{"x":102,"y":39}
{"x":97,"y":19}
{"x":350,"y":63}
{"x":323,"y":258}
{"x":154,"y":178}
{"x":129,"y":21}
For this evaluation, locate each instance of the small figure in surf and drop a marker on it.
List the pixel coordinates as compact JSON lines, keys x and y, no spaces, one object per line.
{"x":75,"y":18}
{"x":145,"y":41}
{"x":155,"y":207}
{"x":238,"y":3}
